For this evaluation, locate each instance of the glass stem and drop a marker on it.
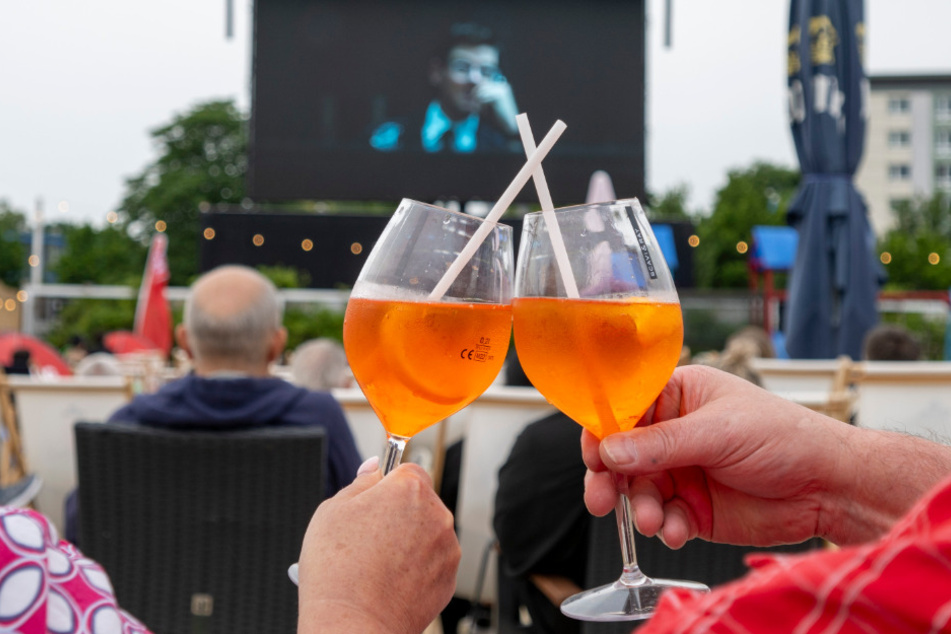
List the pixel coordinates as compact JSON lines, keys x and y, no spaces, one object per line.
{"x":631,"y":575}
{"x":394,"y":452}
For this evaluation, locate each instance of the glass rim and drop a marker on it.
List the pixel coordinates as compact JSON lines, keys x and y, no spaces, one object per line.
{"x":586,"y":206}
{"x":460,"y":214}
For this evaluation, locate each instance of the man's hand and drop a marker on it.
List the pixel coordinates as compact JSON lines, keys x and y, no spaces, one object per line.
{"x":496,"y":98}
{"x":721,"y":459}
{"x":380,"y":556}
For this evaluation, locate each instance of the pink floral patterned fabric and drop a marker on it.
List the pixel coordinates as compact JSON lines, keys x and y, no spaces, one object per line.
{"x":48,"y":587}
{"x":900,"y":583}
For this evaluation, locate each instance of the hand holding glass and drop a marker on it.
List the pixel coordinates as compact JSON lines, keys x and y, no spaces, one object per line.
{"x":601,"y":357}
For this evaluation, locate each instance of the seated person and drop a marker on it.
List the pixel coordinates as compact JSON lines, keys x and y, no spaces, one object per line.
{"x":321,"y":364}
{"x":98,"y":364}
{"x":540,"y":519}
{"x":75,"y":351}
{"x":232,"y":331}
{"x":473,"y":107}
{"x":19,"y":362}
{"x":888,"y":342}
{"x":49,"y":586}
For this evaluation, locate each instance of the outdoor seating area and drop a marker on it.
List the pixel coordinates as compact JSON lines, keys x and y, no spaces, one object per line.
{"x":912,"y":397}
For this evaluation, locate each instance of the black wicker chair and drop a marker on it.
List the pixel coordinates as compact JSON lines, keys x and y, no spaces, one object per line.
{"x":196,"y":529}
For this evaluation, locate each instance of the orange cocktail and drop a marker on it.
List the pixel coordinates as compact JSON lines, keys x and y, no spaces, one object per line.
{"x":419,"y":362}
{"x":601,"y":362}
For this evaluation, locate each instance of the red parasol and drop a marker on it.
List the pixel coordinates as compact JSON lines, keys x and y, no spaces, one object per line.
{"x":42,"y":355}
{"x":126,"y":341}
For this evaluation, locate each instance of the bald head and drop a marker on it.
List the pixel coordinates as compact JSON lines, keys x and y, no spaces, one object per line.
{"x":232,"y":322}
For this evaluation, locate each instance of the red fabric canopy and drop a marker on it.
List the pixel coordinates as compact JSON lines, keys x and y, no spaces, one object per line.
{"x":42,"y":355}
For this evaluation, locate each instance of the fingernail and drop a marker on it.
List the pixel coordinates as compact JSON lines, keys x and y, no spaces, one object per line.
{"x":620,"y":450}
{"x":369,"y":466}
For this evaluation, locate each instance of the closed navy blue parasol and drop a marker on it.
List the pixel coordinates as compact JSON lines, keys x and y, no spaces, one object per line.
{"x":831,"y":301}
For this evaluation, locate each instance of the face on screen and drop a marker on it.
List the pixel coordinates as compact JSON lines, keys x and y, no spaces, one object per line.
{"x":459,"y":79}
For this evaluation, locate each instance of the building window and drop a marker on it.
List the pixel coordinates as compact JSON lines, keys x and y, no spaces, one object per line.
{"x":899,"y":138}
{"x":942,"y":107}
{"x":942,"y":176}
{"x":899,"y":172}
{"x":942,"y":142}
{"x":899,"y":105}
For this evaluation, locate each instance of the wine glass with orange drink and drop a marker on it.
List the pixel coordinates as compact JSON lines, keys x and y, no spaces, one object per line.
{"x":421,"y":354}
{"x":601,"y":352}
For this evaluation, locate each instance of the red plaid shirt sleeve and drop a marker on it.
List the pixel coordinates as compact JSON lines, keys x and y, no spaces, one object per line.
{"x":48,"y":587}
{"x":900,"y":583}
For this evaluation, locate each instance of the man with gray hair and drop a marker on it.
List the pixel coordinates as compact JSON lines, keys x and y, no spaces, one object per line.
{"x":232,"y":330}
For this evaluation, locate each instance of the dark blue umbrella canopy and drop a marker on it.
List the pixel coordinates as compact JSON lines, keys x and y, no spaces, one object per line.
{"x":835,"y":279}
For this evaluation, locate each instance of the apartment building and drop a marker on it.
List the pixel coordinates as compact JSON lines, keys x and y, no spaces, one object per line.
{"x":907,"y":143}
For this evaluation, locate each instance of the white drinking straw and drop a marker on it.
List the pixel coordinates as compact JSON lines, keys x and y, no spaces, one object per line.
{"x":496,"y":212}
{"x":548,"y":210}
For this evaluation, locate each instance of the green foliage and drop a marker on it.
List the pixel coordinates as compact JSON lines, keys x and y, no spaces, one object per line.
{"x":304,"y":323}
{"x":90,"y":318}
{"x":202,"y":161}
{"x":671,"y":205}
{"x":923,"y":228}
{"x":12,"y":251}
{"x":285,"y":276}
{"x":704,"y":331}
{"x":758,"y":195}
{"x":924,"y":215}
{"x":99,"y":256}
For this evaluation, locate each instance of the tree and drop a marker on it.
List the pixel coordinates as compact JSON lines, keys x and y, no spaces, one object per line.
{"x":99,"y":256}
{"x":12,"y":252}
{"x":919,"y":245}
{"x":671,"y":205}
{"x":758,"y":195}
{"x":202,"y":161}
{"x":90,"y":319}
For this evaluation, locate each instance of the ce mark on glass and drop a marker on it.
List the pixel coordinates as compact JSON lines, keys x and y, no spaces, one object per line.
{"x":479,"y":353}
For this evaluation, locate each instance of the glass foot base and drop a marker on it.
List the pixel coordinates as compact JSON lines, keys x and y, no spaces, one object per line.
{"x":621,"y":602}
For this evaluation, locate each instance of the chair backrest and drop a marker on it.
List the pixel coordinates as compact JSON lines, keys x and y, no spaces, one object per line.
{"x":197,"y":529}
{"x":47,"y":409}
{"x":797,"y":375}
{"x":823,"y":385}
{"x":906,"y":396}
{"x":493,"y":422}
{"x":366,"y":428}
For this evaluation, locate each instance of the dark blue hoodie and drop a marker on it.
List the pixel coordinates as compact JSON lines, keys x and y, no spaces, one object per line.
{"x":228,"y":403}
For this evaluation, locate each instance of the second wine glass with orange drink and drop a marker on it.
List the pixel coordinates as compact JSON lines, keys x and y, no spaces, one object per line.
{"x":600,"y":350}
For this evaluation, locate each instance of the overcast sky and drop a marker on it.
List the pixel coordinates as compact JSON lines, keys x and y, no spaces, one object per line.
{"x":83,"y":83}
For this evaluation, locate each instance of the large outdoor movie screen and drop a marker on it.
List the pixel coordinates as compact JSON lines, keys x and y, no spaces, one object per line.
{"x":380,"y":100}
